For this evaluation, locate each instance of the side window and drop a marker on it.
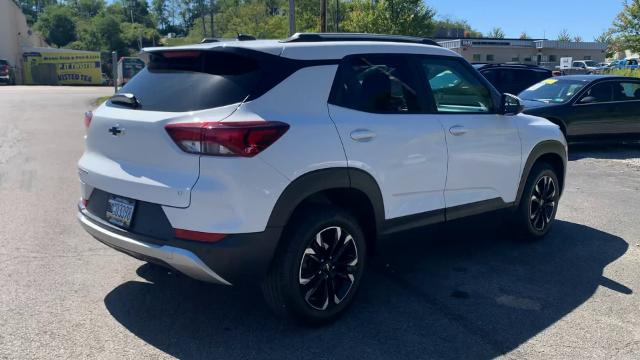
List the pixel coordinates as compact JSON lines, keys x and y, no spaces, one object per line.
{"x":602,"y":92}
{"x":376,"y":84}
{"x":624,"y":91}
{"x":455,"y":89}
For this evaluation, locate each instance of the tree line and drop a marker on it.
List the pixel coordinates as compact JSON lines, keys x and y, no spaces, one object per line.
{"x":128,"y":25}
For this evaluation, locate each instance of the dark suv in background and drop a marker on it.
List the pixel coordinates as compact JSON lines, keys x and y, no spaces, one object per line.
{"x":513,"y":78}
{"x":6,"y":73}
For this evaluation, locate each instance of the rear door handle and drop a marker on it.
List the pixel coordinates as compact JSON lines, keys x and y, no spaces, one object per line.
{"x":457,"y":130}
{"x":362,"y":135}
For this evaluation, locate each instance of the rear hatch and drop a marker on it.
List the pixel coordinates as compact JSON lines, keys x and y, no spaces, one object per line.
{"x":128,"y":151}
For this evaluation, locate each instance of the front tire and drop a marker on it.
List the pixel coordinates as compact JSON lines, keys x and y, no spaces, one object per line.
{"x":318,"y":268}
{"x":539,"y":203}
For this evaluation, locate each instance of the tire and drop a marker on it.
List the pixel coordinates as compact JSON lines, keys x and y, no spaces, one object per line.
{"x":309,"y":267}
{"x":536,"y":212}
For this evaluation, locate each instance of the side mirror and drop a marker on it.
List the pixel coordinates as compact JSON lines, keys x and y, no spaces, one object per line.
{"x":588,"y":100}
{"x":511,"y":105}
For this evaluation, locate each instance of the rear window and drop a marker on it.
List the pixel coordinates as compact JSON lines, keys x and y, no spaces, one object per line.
{"x":4,"y":62}
{"x":180,"y":81}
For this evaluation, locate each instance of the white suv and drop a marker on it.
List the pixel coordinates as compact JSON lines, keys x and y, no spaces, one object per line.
{"x":282,"y":163}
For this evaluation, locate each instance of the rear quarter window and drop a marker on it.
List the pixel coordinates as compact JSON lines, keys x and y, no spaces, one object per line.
{"x":178,"y":81}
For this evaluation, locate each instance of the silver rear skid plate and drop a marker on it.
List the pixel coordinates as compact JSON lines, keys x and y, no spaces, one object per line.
{"x":182,"y":260}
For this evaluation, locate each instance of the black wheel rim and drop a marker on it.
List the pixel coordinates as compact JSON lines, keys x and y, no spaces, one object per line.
{"x":543,"y":203}
{"x":328,"y":268}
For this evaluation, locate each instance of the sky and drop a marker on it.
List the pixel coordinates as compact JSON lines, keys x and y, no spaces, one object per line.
{"x":538,"y":18}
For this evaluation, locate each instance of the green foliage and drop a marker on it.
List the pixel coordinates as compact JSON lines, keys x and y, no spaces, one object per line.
{"x":33,"y":8}
{"x":627,"y":25}
{"x":57,"y":25}
{"x":450,"y":23}
{"x":402,"y":17}
{"x":126,"y":25}
{"x":252,"y":18}
{"x":610,"y":40}
{"x":524,"y":35}
{"x":625,"y":72}
{"x":92,"y":25}
{"x":496,"y":33}
{"x":564,"y":36}
{"x":86,"y":8}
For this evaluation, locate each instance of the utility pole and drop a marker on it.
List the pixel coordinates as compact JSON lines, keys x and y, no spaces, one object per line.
{"x":292,"y":17}
{"x":323,"y":15}
{"x":140,"y":32}
{"x":114,"y":72}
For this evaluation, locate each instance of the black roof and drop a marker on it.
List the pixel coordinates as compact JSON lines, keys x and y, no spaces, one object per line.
{"x":320,"y":37}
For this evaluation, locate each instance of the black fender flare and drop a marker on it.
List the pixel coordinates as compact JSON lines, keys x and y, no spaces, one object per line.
{"x":326,"y":179}
{"x":543,"y":148}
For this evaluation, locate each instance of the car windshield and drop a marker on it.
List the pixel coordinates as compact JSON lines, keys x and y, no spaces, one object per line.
{"x":591,"y":63}
{"x":553,"y":91}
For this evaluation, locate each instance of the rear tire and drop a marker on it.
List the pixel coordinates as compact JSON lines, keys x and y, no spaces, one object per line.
{"x":318,"y":267}
{"x":539,"y":203}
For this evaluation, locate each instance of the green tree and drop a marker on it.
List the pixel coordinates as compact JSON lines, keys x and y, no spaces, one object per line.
{"x":401,"y":17}
{"x":447,"y":23}
{"x":33,"y":8}
{"x":524,"y":35}
{"x":159,"y":9}
{"x":609,"y":39}
{"x":577,"y":38}
{"x":57,"y":25}
{"x":564,"y":35}
{"x":86,"y":8}
{"x":251,"y":18}
{"x":496,"y":33}
{"x":627,"y":25}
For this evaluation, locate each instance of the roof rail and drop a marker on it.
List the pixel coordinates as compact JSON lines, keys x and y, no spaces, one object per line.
{"x":321,"y":37}
{"x":485,"y":65}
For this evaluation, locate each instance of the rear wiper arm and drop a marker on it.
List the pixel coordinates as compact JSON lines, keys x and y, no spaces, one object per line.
{"x":125,"y":99}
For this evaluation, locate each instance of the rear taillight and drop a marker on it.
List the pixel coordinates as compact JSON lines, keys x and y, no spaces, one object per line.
{"x":4,"y":69}
{"x":87,"y":119}
{"x":245,"y":139}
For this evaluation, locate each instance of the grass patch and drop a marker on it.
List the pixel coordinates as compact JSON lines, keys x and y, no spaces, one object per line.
{"x":625,"y":72}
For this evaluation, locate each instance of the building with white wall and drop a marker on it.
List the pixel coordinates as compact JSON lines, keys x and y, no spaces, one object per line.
{"x":524,"y":51}
{"x":15,"y":35}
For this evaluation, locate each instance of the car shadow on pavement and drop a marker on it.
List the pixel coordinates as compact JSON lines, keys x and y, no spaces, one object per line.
{"x":604,"y":150}
{"x":466,"y":289}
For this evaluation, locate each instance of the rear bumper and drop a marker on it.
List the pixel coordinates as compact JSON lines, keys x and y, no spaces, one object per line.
{"x":238,"y":259}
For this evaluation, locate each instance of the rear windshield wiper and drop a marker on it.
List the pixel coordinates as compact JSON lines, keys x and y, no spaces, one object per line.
{"x":125,"y":99}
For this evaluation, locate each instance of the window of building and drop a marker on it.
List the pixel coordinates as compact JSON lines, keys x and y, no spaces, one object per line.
{"x":587,"y":58}
{"x":516,"y":59}
{"x":527,"y":59}
{"x":490,"y":57}
{"x":553,"y":58}
{"x":477,"y":57}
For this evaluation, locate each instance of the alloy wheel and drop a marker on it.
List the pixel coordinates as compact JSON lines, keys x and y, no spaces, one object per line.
{"x":543,"y":203}
{"x":328,"y":268}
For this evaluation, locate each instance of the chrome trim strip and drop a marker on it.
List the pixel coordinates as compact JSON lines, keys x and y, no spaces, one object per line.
{"x":182,"y":260}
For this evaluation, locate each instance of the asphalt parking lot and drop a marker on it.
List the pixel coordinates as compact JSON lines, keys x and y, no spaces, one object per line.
{"x":463,"y":290}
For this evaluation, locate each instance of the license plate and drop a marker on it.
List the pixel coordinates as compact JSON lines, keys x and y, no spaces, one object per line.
{"x":120,"y":211}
